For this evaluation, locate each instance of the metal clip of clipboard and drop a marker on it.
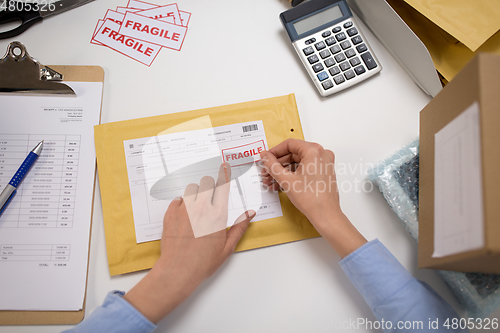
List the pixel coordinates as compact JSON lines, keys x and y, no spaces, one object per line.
{"x":22,"y":74}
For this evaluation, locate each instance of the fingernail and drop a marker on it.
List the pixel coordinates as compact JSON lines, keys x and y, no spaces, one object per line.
{"x":252,"y":213}
{"x":177,"y":198}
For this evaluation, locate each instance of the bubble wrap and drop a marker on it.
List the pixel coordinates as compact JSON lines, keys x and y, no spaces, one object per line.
{"x":397,"y":179}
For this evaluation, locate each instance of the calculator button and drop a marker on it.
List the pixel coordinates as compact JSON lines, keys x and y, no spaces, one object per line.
{"x":335,"y":49}
{"x":310,"y":41}
{"x":350,"y":53}
{"x":344,"y":66}
{"x":349,"y":74}
{"x":334,"y":70}
{"x":322,"y":76}
{"x":345,"y":44}
{"x":351,"y":32}
{"x":361,"y":48}
{"x":360,"y":70}
{"x":308,"y":50}
{"x":326,"y":34}
{"x":369,"y":61}
{"x":320,"y":45}
{"x":355,"y":61}
{"x":327,"y":84}
{"x":324,"y":54}
{"x":317,"y":67}
{"x":330,"y":41}
{"x":340,"y":57}
{"x":312,"y":59}
{"x":336,"y":29}
{"x":329,"y":62}
{"x":356,"y":40}
{"x":348,"y":24}
{"x":341,"y":36}
{"x":339,"y":79}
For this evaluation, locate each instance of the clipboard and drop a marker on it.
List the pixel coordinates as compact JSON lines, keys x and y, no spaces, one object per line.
{"x":38,"y":79}
{"x":281,"y":121}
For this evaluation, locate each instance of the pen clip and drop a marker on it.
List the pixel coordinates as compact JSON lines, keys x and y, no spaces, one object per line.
{"x":21,"y":73}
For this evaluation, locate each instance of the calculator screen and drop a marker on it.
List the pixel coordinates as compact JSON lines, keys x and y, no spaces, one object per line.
{"x":316,"y":20}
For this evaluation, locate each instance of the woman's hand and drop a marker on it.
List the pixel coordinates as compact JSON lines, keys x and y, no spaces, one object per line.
{"x":305,"y":171}
{"x":187,"y":260}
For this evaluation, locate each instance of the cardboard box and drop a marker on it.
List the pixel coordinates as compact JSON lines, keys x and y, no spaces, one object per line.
{"x":462,"y":233}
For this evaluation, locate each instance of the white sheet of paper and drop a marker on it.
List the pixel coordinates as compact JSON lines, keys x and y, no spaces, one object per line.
{"x":188,"y":156}
{"x":458,"y":190}
{"x":44,"y":232}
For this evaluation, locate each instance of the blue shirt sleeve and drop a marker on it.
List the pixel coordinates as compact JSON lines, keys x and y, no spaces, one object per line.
{"x":115,"y":315}
{"x":394,"y":295}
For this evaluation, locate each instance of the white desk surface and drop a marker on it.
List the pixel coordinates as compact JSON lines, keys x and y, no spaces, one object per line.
{"x":237,"y":51}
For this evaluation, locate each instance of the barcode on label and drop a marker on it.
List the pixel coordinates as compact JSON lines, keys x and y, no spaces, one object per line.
{"x":249,"y":128}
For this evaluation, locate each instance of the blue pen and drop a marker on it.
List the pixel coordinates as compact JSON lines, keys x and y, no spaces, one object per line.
{"x":10,"y":190}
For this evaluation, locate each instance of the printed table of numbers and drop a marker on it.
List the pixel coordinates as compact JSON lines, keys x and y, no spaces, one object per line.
{"x":46,"y":197}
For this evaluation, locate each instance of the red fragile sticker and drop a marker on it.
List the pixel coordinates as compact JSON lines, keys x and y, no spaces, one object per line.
{"x":97,"y":27}
{"x":166,"y":13}
{"x":125,"y":10}
{"x":140,"y":4}
{"x":153,"y":31}
{"x":185,"y":17}
{"x":169,"y":12}
{"x":141,"y":29}
{"x":114,"y":16}
{"x":243,"y":154}
{"x":139,"y":50}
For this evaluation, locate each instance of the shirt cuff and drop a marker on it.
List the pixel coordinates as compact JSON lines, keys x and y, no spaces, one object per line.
{"x":375,"y":272}
{"x":115,"y":315}
{"x":127,"y":313}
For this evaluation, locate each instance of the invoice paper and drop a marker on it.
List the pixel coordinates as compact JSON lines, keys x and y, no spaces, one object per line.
{"x":458,"y":190}
{"x":160,"y":167}
{"x":44,"y":231}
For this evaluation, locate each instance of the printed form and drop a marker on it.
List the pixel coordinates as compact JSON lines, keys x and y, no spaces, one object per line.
{"x":458,"y":190}
{"x":44,"y":231}
{"x":160,"y":167}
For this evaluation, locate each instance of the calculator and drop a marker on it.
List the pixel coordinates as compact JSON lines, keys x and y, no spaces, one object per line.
{"x":330,"y":44}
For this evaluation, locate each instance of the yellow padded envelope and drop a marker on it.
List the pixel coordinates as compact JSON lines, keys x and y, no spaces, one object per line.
{"x":281,"y":121}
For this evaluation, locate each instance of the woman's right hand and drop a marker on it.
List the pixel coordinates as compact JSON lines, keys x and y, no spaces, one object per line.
{"x":305,"y":171}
